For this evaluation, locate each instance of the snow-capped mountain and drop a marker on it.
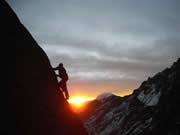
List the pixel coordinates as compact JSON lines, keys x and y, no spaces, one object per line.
{"x":152,"y":109}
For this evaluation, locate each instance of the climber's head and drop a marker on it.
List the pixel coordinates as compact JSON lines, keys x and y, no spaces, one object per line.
{"x":60,"y":64}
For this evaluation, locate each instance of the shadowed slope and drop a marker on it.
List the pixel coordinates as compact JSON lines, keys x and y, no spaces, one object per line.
{"x":30,"y":102}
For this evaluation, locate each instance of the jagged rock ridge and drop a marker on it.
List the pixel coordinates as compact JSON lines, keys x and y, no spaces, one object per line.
{"x":152,"y":109}
{"x":30,"y":102}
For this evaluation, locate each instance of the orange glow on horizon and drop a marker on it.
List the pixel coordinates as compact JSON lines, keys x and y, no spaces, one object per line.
{"x":77,"y":103}
{"x":79,"y":100}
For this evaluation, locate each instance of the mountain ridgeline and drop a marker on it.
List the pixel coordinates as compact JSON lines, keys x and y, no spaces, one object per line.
{"x":152,"y":109}
{"x":30,"y":101}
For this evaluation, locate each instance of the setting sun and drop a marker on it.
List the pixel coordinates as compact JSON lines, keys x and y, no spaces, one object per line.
{"x":78,"y":102}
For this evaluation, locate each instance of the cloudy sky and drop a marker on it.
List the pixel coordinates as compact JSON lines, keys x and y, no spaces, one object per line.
{"x":105,"y":45}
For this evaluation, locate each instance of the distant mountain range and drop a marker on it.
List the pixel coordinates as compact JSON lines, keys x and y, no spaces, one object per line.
{"x":152,"y":109}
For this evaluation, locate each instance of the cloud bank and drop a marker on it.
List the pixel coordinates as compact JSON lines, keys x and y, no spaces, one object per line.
{"x":105,"y":45}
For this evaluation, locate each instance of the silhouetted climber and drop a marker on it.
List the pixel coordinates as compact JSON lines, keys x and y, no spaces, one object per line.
{"x":64,"y":78}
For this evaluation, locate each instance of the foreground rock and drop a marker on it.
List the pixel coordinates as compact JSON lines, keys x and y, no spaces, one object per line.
{"x":30,"y":102}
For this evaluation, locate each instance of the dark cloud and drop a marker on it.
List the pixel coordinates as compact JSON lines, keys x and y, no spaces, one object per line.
{"x":105,"y":45}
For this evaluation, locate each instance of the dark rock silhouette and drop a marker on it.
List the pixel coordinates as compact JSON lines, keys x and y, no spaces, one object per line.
{"x":152,"y":109}
{"x":30,"y":101}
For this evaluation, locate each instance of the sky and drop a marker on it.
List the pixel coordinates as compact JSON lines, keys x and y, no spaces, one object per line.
{"x":105,"y":45}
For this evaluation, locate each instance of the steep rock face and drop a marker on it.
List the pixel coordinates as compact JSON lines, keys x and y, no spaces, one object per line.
{"x":30,"y":101}
{"x":152,"y":109}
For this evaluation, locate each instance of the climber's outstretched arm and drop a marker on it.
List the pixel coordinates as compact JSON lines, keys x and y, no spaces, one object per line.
{"x":56,"y":68}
